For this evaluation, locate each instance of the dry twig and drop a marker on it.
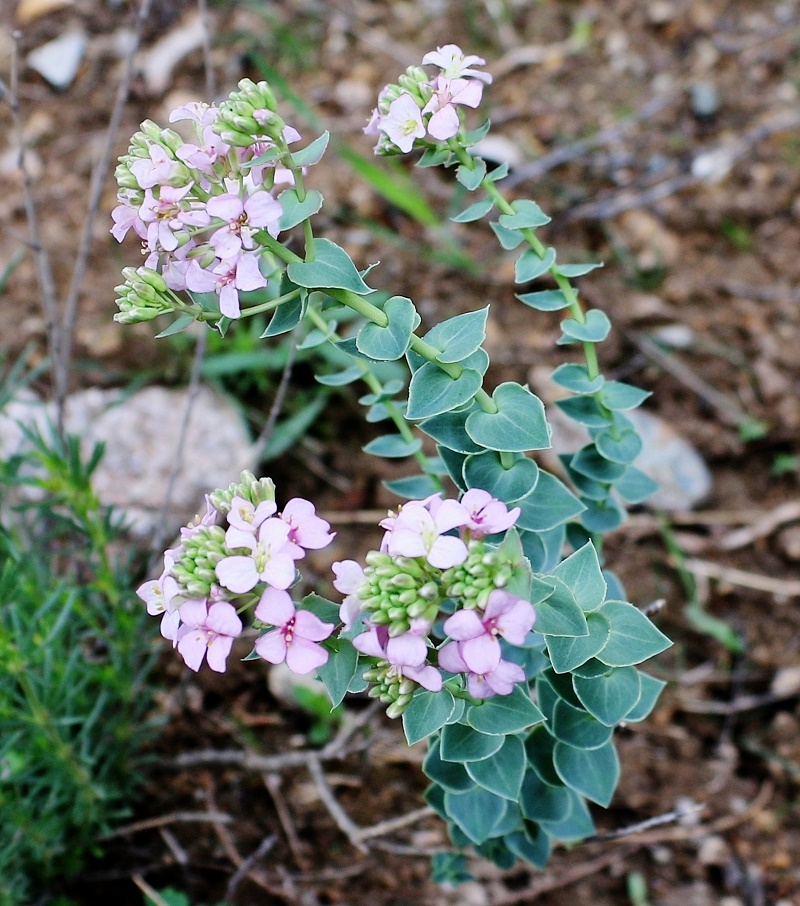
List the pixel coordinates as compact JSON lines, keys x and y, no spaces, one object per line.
{"x":781,"y":588}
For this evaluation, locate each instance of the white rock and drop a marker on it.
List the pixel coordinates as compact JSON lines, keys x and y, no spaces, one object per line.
{"x":58,"y":60}
{"x":160,"y":61}
{"x":141,"y":433}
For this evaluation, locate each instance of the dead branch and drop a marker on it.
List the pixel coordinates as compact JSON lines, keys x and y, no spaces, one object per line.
{"x":766,"y":525}
{"x":781,"y":588}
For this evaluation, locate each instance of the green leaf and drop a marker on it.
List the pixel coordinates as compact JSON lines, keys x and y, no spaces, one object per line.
{"x":593,"y":329}
{"x":651,"y":689}
{"x":519,"y":424}
{"x":448,"y":429}
{"x":576,"y":826}
{"x":454,"y":463}
{"x":577,"y":379}
{"x":290,"y":430}
{"x":474,"y":211}
{"x":559,"y":613}
{"x":267,"y":157}
{"x":179,"y":324}
{"x":585,"y":410}
{"x":533,"y":846}
{"x":389,"y":389}
{"x":462,"y":743}
{"x":426,"y":713}
{"x":486,"y":471}
{"x":499,"y":172}
{"x":633,"y":637}
{"x":477,"y":812}
{"x":543,"y":549}
{"x":568,"y":653}
{"x":415,"y":487}
{"x":611,"y":696}
{"x":339,"y":670}
{"x":602,"y":516}
{"x":460,"y":336}
{"x":393,"y":446}
{"x":539,"y":747}
{"x":589,"y":462}
{"x":340,"y":378}
{"x":432,"y":391}
{"x":526,"y":214}
{"x":287,"y":316}
{"x":296,"y":211}
{"x":550,"y":505}
{"x":582,"y":573}
{"x":508,"y":239}
{"x":312,"y":153}
{"x":331,"y":268}
{"x":471,"y":178}
{"x":545,"y":300}
{"x":321,"y":607}
{"x":473,"y":136}
{"x":385,"y":344}
{"x":618,"y":396}
{"x":448,"y":774}
{"x":593,"y":774}
{"x":577,"y":270}
{"x":504,"y":714}
{"x":529,"y":265}
{"x":634,"y":486}
{"x":502,"y":773}
{"x":540,"y":801}
{"x":623,"y":448}
{"x":578,"y":728}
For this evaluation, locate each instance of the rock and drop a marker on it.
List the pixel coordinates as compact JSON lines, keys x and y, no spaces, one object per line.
{"x":58,"y":61}
{"x":141,"y":433}
{"x":28,"y":10}
{"x":667,"y":457}
{"x":160,"y":61}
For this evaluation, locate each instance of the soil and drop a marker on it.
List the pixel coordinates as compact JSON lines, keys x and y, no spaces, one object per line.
{"x":715,"y":258}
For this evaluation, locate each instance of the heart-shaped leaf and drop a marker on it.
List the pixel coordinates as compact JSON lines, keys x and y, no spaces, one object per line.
{"x":331,"y":268}
{"x":432,"y":391}
{"x":460,"y":336}
{"x":529,"y":265}
{"x":518,"y":425}
{"x":567,"y":653}
{"x":609,"y":697}
{"x":623,"y":448}
{"x":594,"y":329}
{"x":296,"y":211}
{"x":593,"y":774}
{"x":385,"y":344}
{"x":487,"y":472}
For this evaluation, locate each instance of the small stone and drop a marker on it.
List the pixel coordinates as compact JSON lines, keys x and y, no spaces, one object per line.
{"x":786,"y":682}
{"x":58,"y":61}
{"x":705,"y":101}
{"x":160,"y":61}
{"x":789,"y":542}
{"x":28,"y":10}
{"x":282,"y":683}
{"x":714,"y":850}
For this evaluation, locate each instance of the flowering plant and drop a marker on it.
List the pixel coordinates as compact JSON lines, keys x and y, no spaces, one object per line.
{"x":486,"y":620}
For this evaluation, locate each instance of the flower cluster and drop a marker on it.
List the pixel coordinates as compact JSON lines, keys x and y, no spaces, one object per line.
{"x":217,"y":572}
{"x":417,"y":107}
{"x":200,"y":206}
{"x":424,"y":571}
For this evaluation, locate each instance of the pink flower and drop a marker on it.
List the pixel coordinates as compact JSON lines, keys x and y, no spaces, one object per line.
{"x":156,"y":170}
{"x":500,"y":680}
{"x":306,"y":529}
{"x":244,"y":218}
{"x":454,"y":64}
{"x":165,"y":215}
{"x":406,"y":653}
{"x":245,"y":516}
{"x":125,"y":217}
{"x":506,"y":615}
{"x":204,"y":157}
{"x":295,"y":637}
{"x":403,"y":123}
{"x":226,"y":279}
{"x":270,"y":560}
{"x":444,"y":123}
{"x":417,"y":531}
{"x":207,"y":632}
{"x":198,"y":112}
{"x":487,"y":515}
{"x":349,"y":579}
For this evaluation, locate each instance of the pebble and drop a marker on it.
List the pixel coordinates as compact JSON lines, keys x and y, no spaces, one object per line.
{"x":141,"y":433}
{"x":58,"y":60}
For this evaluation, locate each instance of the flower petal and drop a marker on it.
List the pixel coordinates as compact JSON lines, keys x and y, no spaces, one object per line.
{"x":217,"y":654}
{"x":275,"y":607}
{"x":309,"y":626}
{"x":237,"y":574}
{"x":482,"y":654}
{"x":272,"y":647}
{"x":463,"y":625}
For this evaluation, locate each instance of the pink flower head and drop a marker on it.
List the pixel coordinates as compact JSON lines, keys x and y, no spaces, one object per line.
{"x":206,"y":156}
{"x":477,"y":636}
{"x":125,"y":217}
{"x":499,"y":680}
{"x":403,"y":123}
{"x":295,"y":637}
{"x":418,"y":532}
{"x":406,"y":653}
{"x":245,"y":516}
{"x":243,"y":219}
{"x":165,"y":215}
{"x":271,"y":558}
{"x":198,"y":112}
{"x":349,"y":579}
{"x":487,"y":514}
{"x":306,"y":529}
{"x":455,"y":64}
{"x":444,"y":123}
{"x":207,"y":632}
